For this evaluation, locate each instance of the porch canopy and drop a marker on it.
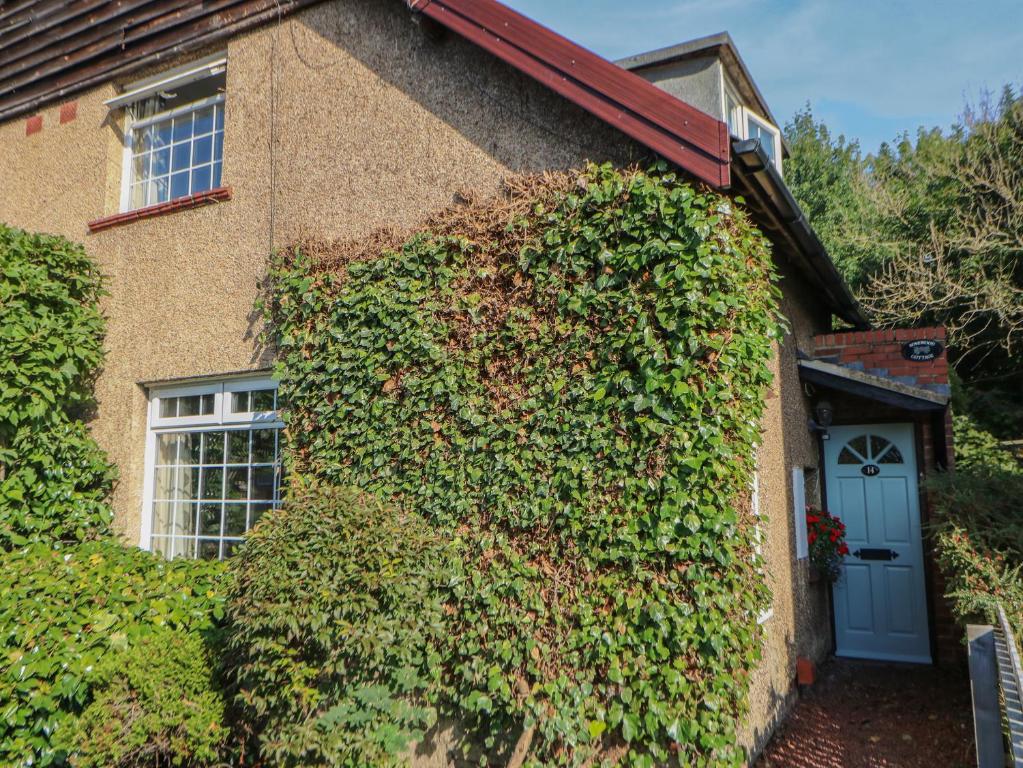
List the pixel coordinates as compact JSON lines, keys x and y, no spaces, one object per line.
{"x":881,"y":389}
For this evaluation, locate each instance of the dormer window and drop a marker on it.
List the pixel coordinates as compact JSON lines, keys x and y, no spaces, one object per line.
{"x":744,"y":123}
{"x":174,"y":134}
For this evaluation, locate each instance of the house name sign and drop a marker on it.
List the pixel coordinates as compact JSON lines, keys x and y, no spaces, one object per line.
{"x":922,"y":350}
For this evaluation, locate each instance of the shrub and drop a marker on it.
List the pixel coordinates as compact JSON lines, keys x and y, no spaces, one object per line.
{"x":153,"y":703}
{"x":335,"y":611}
{"x":979,"y":543}
{"x":985,"y":505}
{"x":63,"y":612}
{"x":54,"y":480}
{"x":571,"y":378}
{"x":978,"y":452}
{"x":52,"y":331}
{"x":58,"y":490}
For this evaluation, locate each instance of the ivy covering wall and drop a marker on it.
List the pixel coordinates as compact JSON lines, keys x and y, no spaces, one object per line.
{"x":567,"y":382}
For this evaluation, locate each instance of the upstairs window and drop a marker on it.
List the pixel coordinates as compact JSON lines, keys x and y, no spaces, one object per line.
{"x":174,"y":134}
{"x":744,"y":123}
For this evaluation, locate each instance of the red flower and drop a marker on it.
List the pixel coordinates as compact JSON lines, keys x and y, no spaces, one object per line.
{"x":812,"y":519}
{"x":843,"y":549}
{"x":812,"y":537}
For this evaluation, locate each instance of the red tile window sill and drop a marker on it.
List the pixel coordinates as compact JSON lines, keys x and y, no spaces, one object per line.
{"x":217,"y":195}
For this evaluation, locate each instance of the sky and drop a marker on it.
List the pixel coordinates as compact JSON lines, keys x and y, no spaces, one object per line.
{"x":870,"y":69}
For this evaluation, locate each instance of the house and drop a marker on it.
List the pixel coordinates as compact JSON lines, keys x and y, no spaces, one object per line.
{"x":182,"y":142}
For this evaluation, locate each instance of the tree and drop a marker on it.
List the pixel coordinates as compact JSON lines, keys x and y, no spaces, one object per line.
{"x":953,"y":216}
{"x":828,"y":177}
{"x":930,"y":231}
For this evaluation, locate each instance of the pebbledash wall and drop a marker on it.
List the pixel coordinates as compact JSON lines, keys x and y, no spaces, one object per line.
{"x":341,"y":119}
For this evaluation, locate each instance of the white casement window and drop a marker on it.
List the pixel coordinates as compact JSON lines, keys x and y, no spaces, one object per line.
{"x":744,"y":123}
{"x":213,"y":465}
{"x":174,"y":133}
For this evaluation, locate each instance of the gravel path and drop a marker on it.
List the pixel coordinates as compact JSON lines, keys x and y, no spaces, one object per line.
{"x":872,"y":715}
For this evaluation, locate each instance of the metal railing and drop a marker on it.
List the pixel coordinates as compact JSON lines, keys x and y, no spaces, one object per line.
{"x":996,"y":683}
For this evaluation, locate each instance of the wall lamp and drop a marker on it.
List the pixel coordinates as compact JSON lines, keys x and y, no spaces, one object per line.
{"x":823,"y":416}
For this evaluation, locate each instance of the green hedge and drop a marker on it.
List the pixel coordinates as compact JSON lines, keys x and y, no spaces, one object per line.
{"x":54,"y":480}
{"x":153,"y":703}
{"x":336,"y":613}
{"x":78,"y":610}
{"x":569,"y":380}
{"x":978,"y":537}
{"x":64,"y":611}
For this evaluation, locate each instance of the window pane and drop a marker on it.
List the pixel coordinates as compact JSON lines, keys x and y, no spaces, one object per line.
{"x":158,"y":191}
{"x":167,"y":448}
{"x":238,"y":447}
{"x":200,"y":179}
{"x":138,"y":195}
{"x":209,"y":549}
{"x":263,"y":446}
{"x":187,"y":483}
{"x":203,"y":121}
{"x":139,"y":167}
{"x":184,"y":518}
{"x":215,"y":181}
{"x":263,"y":400}
{"x":168,"y":407}
{"x":219,"y":108}
{"x":161,"y":133}
{"x":181,"y":156}
{"x":213,"y":447}
{"x":218,"y":146}
{"x":190,"y":448}
{"x":163,"y":517}
{"x":262,"y":483}
{"x":202,"y":150}
{"x":179,"y":185}
{"x":877,"y":446}
{"x":238,"y":483}
{"x":211,"y":487}
{"x":184,"y":548}
{"x":239,"y":402}
{"x":143,"y":140}
{"x":859,"y":444}
{"x":163,"y":487}
{"x":161,"y":162}
{"x":209,"y":519}
{"x":758,"y":131}
{"x":183,"y":127}
{"x":892,"y":457}
{"x":234,"y":519}
{"x":189,"y":406}
{"x":848,"y":457}
{"x":213,"y":483}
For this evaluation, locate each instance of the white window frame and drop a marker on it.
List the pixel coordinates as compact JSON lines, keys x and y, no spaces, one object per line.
{"x":142,"y":89}
{"x":171,"y":78}
{"x":219,"y":419}
{"x":799,"y":513}
{"x":741,"y":115}
{"x":746,"y":114}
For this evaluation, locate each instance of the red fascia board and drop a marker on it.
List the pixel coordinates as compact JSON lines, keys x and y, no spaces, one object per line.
{"x":691,"y":139}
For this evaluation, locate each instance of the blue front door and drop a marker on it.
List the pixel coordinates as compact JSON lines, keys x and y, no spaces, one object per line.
{"x":880,"y":598}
